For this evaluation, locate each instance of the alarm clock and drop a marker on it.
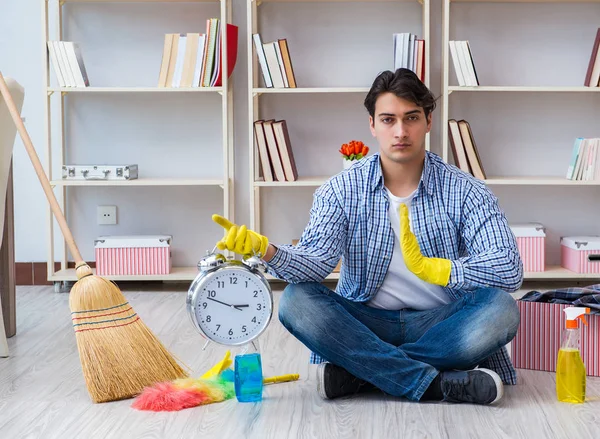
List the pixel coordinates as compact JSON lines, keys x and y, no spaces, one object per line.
{"x":230,"y":302}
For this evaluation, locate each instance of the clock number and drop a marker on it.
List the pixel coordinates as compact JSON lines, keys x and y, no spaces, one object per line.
{"x":244,"y":328}
{"x":256,"y":294}
{"x":218,"y":326}
{"x":204,"y":305}
{"x":230,"y":332}
{"x":212,"y":293}
{"x":258,"y":307}
{"x":208,"y":319}
{"x":254,"y":319}
{"x":246,"y":284}
{"x":233,"y":280}
{"x":220,"y":284}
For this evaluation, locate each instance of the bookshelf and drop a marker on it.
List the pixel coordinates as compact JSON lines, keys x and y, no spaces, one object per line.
{"x":520,"y":93}
{"x":257,"y":92}
{"x":66,"y":90}
{"x":56,"y":114}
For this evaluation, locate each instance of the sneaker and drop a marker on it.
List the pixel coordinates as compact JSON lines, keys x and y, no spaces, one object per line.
{"x":477,"y":386}
{"x":334,"y":381}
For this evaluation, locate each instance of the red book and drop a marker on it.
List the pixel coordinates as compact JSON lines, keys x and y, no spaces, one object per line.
{"x":232,"y":49}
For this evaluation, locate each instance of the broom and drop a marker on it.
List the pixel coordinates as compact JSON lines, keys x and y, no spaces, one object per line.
{"x":119,"y":355}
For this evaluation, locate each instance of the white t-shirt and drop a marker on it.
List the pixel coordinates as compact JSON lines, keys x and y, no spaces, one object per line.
{"x":401,"y":288}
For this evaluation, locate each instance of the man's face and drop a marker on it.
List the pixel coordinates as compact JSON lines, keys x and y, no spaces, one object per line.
{"x":400,"y":127}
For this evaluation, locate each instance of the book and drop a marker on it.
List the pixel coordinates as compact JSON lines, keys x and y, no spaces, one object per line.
{"x":286,"y":154}
{"x":460,"y":157}
{"x":263,"y":152}
{"x":468,"y":141}
{"x":592,"y":76}
{"x":273,"y":149}
{"x":287,"y":62}
{"x":262,"y":60}
{"x":232,"y":50}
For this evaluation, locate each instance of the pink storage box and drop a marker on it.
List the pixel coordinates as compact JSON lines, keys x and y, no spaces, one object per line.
{"x":539,"y":335}
{"x":580,"y":254}
{"x":531,"y":240}
{"x":133,"y":255}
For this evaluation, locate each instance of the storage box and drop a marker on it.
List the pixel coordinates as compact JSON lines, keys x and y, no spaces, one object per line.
{"x":539,"y":335}
{"x":100,"y":172}
{"x":133,"y":255}
{"x":580,"y":254}
{"x":531,"y":241}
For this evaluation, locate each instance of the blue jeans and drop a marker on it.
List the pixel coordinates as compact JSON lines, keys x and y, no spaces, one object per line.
{"x":400,"y":352}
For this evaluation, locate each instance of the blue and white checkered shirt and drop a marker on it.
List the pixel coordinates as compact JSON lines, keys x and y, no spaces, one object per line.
{"x":454,"y":216}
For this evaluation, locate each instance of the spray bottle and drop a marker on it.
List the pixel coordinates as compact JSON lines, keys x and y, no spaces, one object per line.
{"x":570,"y":370}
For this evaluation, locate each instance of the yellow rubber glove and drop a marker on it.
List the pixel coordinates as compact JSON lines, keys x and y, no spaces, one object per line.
{"x":239,"y":239}
{"x":433,"y":270}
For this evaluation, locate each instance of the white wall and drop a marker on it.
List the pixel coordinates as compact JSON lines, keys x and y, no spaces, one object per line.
{"x":331,"y":44}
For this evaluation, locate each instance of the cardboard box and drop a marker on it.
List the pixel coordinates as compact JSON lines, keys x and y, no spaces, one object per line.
{"x":531,"y":241}
{"x":337,"y":267}
{"x":133,"y":255}
{"x":580,"y":254}
{"x":539,"y":336}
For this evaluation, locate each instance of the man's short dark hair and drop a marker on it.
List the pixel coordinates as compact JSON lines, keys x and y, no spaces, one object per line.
{"x":403,"y":83}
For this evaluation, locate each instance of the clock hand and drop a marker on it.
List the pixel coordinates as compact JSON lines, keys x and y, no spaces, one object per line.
{"x":226,"y":304}
{"x":240,"y":306}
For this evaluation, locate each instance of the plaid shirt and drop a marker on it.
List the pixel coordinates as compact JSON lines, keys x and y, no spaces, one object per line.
{"x":577,"y":296}
{"x":454,"y":216}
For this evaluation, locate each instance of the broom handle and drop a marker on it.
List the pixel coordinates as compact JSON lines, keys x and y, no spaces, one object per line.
{"x":35,"y":160}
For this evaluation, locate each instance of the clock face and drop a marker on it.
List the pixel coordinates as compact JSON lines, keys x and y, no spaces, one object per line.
{"x":232,"y":306}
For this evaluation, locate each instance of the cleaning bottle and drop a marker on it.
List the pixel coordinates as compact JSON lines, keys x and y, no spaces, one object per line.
{"x":570,"y":370}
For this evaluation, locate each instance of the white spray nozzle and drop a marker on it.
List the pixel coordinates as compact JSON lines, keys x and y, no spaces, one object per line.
{"x":573,"y":313}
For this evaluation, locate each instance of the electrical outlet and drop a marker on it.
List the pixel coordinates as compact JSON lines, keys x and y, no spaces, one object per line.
{"x":107,"y":214}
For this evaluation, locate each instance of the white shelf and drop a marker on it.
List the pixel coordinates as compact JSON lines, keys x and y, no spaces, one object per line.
{"x":56,"y":133}
{"x":524,"y":1}
{"x":538,"y":181}
{"x":140,"y":182}
{"x":255,"y":91}
{"x":557,"y":272}
{"x":345,"y":1}
{"x":302,"y":181}
{"x":141,"y":1}
{"x":135,"y":89}
{"x":177,"y":273}
{"x":190,"y":273}
{"x":495,"y":181}
{"x":524,"y":89}
{"x":311,"y":90}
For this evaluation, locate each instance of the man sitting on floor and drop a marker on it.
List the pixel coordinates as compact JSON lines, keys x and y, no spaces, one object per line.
{"x":422,"y":308}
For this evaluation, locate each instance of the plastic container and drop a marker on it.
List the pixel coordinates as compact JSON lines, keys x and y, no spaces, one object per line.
{"x":570,"y":370}
{"x":248,"y":377}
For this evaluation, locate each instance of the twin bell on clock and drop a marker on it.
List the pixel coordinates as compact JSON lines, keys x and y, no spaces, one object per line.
{"x":231,"y":303}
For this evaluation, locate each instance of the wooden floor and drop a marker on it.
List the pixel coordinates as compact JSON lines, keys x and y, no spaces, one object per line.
{"x":42,"y":393}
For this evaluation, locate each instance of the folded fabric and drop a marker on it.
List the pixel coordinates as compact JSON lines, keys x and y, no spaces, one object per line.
{"x":577,"y":296}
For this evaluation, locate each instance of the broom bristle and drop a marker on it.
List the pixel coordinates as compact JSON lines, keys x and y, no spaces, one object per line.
{"x":119,"y":355}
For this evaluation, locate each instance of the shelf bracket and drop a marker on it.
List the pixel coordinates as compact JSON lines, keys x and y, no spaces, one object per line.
{"x":220,"y":92}
{"x":63,"y":93}
{"x":50,"y":92}
{"x":256,"y":94}
{"x":449,"y":92}
{"x":258,"y":3}
{"x":60,"y":3}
